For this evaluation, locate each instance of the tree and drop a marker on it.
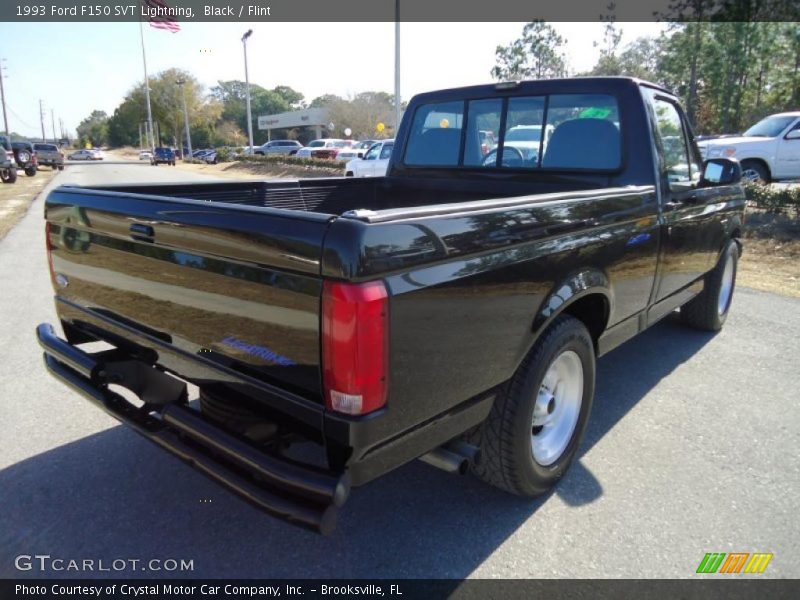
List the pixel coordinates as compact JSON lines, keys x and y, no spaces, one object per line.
{"x":361,"y":114}
{"x":233,"y":97}
{"x":292,"y":97}
{"x":608,"y":62}
{"x":94,"y":128}
{"x":536,"y":54}
{"x":325,"y":100}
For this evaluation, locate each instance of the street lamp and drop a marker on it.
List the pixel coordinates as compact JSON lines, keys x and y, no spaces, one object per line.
{"x":247,"y":92}
{"x":181,"y":83}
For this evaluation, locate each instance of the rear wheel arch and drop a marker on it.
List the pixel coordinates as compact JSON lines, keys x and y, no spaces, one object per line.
{"x":585,"y":295}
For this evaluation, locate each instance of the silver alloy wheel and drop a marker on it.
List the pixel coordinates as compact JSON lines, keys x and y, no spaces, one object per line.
{"x":751,"y":176}
{"x":725,"y":287}
{"x":557,"y":408}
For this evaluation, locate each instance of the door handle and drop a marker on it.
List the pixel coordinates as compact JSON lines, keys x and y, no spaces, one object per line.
{"x":142,"y":232}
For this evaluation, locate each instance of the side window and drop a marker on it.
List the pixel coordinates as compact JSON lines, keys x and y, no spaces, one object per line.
{"x":522,"y":140}
{"x":372,"y":154}
{"x":386,"y":151}
{"x":675,"y":150}
{"x":483,"y":127}
{"x":435,"y":137}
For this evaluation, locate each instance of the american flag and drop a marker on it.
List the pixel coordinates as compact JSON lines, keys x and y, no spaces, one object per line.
{"x":160,"y":21}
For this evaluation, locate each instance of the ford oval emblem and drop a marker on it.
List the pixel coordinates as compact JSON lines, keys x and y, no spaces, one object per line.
{"x":62,"y":280}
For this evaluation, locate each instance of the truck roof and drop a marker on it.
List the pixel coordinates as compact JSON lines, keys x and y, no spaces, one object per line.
{"x":604,"y":83}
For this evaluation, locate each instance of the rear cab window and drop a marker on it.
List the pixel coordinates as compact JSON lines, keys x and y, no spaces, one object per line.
{"x":548,"y":132}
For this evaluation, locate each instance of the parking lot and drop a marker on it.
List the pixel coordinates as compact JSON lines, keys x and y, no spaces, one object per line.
{"x":691,"y":448}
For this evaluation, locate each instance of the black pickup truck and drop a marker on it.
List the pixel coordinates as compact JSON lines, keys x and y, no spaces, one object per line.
{"x":451,"y":311}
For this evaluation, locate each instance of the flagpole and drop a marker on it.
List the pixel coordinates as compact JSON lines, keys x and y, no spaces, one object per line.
{"x":151,"y":140}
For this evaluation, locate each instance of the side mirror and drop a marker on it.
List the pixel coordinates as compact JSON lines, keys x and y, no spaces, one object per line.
{"x":721,"y":171}
{"x":794,"y":134}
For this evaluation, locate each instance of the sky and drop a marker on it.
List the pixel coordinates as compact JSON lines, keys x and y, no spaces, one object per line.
{"x":88,"y":66}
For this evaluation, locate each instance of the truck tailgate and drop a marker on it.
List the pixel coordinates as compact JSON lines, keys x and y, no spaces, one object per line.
{"x":237,"y":285}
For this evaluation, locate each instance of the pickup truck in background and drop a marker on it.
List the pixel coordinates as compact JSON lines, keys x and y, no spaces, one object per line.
{"x":163,"y":155}
{"x":374,"y":163}
{"x":49,"y":155}
{"x":451,"y":311}
{"x":768,"y":151}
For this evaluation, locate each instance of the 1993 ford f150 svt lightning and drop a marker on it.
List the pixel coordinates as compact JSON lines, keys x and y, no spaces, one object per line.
{"x":451,"y":311}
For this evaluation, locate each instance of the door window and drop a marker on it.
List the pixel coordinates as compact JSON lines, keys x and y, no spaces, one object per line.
{"x":386,"y":151}
{"x":676,"y":152}
{"x":372,"y":154}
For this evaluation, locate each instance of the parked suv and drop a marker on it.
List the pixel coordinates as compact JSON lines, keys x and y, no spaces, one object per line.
{"x":8,"y":167}
{"x":289,"y":147}
{"x":163,"y":155}
{"x":24,"y":155}
{"x":49,"y":155}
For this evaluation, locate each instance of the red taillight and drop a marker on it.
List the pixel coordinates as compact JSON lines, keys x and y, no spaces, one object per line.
{"x":355,"y":346}
{"x":50,"y":247}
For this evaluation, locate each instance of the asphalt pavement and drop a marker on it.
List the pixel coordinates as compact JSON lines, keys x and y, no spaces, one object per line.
{"x":692,"y":447}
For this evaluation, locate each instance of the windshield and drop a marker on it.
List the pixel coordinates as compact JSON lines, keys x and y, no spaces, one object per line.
{"x":316,"y":144}
{"x":527,"y":134}
{"x":769,"y":127}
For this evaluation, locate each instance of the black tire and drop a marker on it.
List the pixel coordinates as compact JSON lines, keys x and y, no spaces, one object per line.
{"x":9,"y":175}
{"x":349,"y":174}
{"x":754,"y":171}
{"x":506,"y":437}
{"x":30,"y":171}
{"x":60,"y":167}
{"x":709,"y":309}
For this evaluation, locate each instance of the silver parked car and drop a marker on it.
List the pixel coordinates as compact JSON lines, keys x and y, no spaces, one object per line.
{"x":289,"y":147}
{"x":82,"y":155}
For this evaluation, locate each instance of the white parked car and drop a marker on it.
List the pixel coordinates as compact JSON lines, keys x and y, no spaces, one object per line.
{"x":374,"y":163}
{"x":768,"y":151}
{"x":305,"y":152}
{"x":145,"y":155}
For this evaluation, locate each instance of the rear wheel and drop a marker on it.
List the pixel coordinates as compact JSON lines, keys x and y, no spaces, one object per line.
{"x":536,"y":424}
{"x":709,"y":309}
{"x":30,"y":171}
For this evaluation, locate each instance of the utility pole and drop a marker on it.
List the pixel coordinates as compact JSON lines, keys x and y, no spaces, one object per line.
{"x":182,"y":82}
{"x":396,"y":66}
{"x":3,"y":96}
{"x":41,"y":119}
{"x":147,"y":92}
{"x":247,"y":93}
{"x":53,"y":120}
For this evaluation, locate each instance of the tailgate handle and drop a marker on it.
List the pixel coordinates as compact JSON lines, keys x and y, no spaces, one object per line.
{"x":144,"y":233}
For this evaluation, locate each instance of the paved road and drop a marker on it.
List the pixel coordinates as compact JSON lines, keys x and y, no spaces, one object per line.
{"x":692,"y":448}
